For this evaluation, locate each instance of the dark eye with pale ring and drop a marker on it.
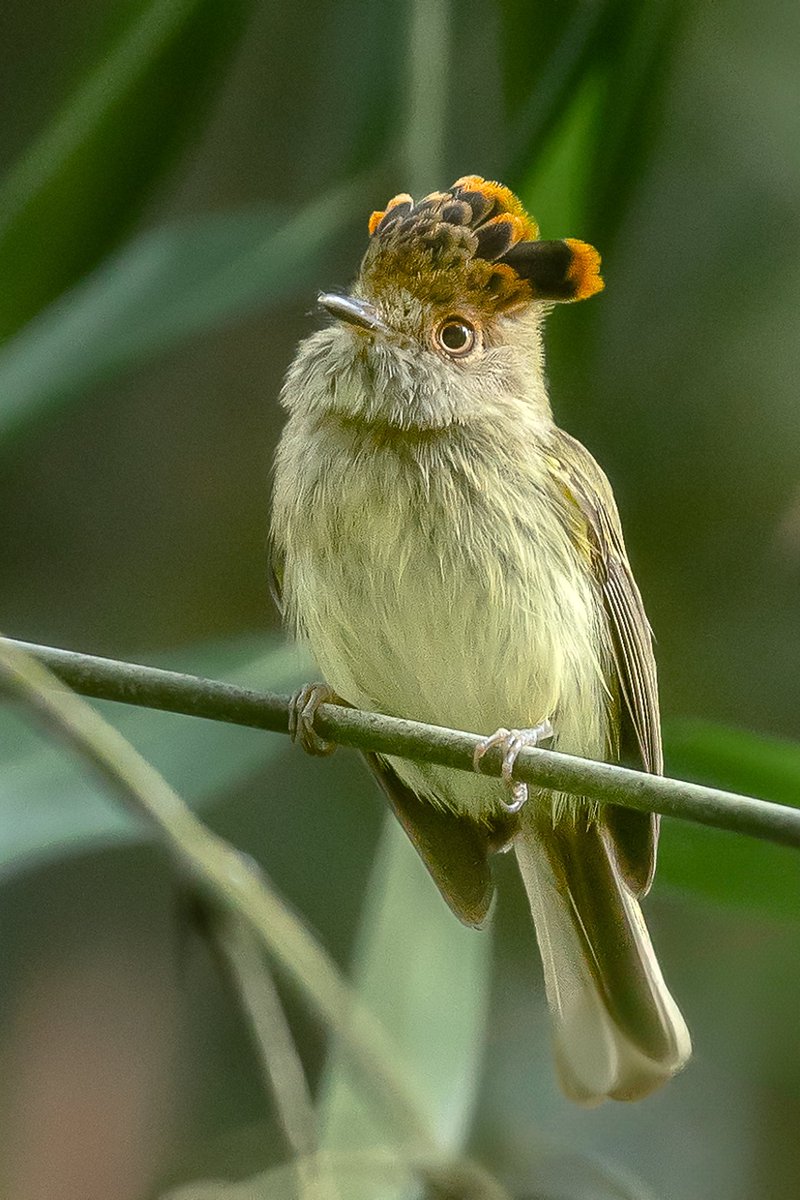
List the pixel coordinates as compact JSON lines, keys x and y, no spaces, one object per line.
{"x":455,"y":336}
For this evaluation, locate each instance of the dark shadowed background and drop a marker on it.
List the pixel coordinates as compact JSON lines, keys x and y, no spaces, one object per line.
{"x":180,"y":177}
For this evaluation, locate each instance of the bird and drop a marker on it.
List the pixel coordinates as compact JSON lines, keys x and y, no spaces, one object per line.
{"x":451,"y":555}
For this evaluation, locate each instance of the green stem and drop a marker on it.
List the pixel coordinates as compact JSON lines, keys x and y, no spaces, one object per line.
{"x":228,"y":881}
{"x":427,"y":80}
{"x":106,"y":679}
{"x":282,"y":1071}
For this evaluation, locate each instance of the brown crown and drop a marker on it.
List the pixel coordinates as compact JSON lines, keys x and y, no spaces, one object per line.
{"x":474,"y":243}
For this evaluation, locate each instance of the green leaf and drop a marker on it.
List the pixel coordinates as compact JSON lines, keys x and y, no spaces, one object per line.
{"x":563,"y":49}
{"x":556,"y":189}
{"x":427,"y":978}
{"x":161,"y":289}
{"x":734,"y":759}
{"x":530,"y":35}
{"x":639,"y":46}
{"x":342,"y":1176}
{"x":80,"y":186}
{"x":49,"y":802}
{"x":723,"y":866}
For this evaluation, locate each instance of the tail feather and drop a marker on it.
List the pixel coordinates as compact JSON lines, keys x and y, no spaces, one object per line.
{"x":618,"y":1032}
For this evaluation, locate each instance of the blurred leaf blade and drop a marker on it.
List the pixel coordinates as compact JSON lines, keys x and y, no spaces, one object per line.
{"x":639,"y":46}
{"x":372,"y":1170}
{"x":161,"y":289}
{"x":722,"y":867}
{"x":80,"y":186}
{"x":50,"y":805}
{"x":427,"y":979}
{"x":556,"y":189}
{"x":735,"y":759}
{"x":574,"y":35}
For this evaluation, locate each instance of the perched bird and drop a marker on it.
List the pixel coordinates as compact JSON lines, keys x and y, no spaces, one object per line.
{"x":452,"y":556}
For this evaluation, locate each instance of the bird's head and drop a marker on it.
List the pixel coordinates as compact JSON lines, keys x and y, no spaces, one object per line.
{"x":444,"y":317}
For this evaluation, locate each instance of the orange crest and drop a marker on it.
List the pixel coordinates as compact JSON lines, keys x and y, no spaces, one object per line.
{"x":474,"y":242}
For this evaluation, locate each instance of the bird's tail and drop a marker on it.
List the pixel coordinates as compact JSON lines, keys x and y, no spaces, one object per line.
{"x":618,"y":1032}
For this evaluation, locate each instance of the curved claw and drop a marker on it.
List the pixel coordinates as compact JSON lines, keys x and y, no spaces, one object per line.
{"x":512,"y":742}
{"x":303,"y":708}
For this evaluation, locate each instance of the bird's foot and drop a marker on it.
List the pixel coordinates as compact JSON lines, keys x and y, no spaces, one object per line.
{"x":512,"y":741}
{"x":303,"y":708}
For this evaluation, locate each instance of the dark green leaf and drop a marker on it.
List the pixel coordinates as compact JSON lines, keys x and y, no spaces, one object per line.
{"x":49,"y":801}
{"x":638,"y":47}
{"x":573,"y":36}
{"x":79,"y":187}
{"x":723,"y":866}
{"x":430,"y":992}
{"x":162,"y":288}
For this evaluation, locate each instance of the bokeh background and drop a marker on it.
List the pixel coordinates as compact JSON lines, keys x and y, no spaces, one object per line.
{"x":179,"y":178}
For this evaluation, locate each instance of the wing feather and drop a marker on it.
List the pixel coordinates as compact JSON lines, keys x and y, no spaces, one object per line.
{"x":454,"y":849}
{"x":598,"y":535}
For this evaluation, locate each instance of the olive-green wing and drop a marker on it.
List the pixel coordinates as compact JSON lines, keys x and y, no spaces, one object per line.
{"x":275,"y":578}
{"x":455,"y":849}
{"x":594,"y":520}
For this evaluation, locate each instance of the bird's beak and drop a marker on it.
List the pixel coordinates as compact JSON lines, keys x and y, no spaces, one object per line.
{"x":355,"y":312}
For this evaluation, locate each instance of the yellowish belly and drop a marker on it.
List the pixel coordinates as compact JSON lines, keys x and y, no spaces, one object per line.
{"x":458,"y":622}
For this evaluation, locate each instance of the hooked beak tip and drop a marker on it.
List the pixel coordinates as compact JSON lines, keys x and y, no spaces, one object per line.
{"x":355,"y":312}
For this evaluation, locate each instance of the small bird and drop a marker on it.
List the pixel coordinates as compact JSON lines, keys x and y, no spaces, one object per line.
{"x":453,"y":557}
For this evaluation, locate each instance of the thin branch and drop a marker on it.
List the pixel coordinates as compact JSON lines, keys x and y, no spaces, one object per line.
{"x":282,"y":1070}
{"x":283,"y":1075}
{"x":106,"y":679}
{"x":427,"y":87}
{"x":228,"y":879}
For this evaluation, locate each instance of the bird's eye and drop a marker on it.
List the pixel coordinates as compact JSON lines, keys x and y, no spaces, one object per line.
{"x":455,"y":336}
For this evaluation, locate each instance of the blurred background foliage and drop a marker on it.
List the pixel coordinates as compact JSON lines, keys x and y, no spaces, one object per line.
{"x":179,"y":177}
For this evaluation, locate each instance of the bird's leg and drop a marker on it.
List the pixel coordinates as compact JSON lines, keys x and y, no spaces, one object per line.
{"x":303,"y":708}
{"x":512,"y":741}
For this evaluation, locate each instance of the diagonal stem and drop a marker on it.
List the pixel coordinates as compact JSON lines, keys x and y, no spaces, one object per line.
{"x":228,"y":881}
